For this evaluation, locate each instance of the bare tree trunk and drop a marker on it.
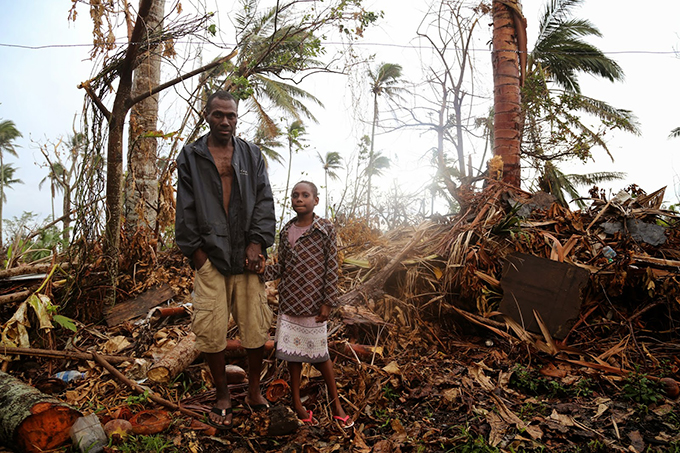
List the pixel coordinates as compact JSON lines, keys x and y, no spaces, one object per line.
{"x":114,"y":156}
{"x":141,"y":186}
{"x":66,"y":215}
{"x":507,"y":99}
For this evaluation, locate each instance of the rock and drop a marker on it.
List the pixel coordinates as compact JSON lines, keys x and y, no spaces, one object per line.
{"x":282,"y":421}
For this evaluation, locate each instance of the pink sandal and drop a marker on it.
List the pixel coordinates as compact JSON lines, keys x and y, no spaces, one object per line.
{"x":310,"y":420}
{"x":342,"y":421}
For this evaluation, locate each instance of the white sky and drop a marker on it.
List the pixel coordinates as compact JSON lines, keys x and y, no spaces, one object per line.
{"x":38,"y":91}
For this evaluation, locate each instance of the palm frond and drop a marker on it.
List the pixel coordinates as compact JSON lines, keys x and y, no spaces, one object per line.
{"x":675,"y":133}
{"x":8,"y":133}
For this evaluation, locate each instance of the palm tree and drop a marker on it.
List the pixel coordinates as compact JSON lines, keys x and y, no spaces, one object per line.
{"x":509,"y":41}
{"x":375,"y":167}
{"x":553,"y":105}
{"x":294,"y":134}
{"x":560,"y":52}
{"x":54,"y":176}
{"x":332,"y":162}
{"x":268,"y":144}
{"x":384,"y":81}
{"x":675,"y":133}
{"x":8,"y":133}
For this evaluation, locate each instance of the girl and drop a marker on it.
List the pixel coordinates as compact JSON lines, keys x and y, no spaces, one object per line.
{"x":308,"y":269}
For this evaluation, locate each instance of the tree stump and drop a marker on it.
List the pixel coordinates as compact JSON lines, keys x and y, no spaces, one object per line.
{"x":30,"y":420}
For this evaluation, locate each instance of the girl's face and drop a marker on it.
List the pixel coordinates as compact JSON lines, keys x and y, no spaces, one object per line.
{"x":303,"y":199}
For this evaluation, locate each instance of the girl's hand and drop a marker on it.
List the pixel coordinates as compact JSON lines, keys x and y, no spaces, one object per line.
{"x":323,"y":314}
{"x":260,"y":270}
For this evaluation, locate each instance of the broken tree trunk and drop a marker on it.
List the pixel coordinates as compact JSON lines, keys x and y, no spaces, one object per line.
{"x":30,"y":419}
{"x":175,"y":361}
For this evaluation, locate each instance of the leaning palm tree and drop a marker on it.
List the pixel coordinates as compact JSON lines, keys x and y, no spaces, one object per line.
{"x":384,"y":81}
{"x":8,"y":133}
{"x":332,"y":162}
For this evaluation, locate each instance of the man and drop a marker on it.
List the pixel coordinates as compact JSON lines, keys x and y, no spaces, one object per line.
{"x":225,"y":222}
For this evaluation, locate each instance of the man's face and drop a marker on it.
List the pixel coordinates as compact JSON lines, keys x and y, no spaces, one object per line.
{"x":222,"y":119}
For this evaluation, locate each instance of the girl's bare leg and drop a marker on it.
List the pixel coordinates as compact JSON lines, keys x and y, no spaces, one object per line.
{"x":295,"y":370}
{"x":326,"y":370}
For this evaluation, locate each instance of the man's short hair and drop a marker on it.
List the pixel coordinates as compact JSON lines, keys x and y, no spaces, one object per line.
{"x":222,"y":94}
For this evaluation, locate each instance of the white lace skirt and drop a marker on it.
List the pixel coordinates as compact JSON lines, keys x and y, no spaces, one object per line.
{"x":301,"y":339}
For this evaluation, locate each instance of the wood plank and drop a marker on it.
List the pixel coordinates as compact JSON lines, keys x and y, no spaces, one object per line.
{"x":139,"y":306}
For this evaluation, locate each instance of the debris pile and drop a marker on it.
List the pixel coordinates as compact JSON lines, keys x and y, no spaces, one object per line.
{"x":516,"y":325}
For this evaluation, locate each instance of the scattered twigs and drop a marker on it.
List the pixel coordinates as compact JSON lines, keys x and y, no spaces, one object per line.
{"x":54,"y":354}
{"x":137,"y":388}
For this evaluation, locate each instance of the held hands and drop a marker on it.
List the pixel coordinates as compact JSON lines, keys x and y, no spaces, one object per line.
{"x":323,"y":314}
{"x":254,"y":258}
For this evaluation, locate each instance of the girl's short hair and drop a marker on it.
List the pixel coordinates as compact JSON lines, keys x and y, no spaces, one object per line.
{"x":315,"y":191}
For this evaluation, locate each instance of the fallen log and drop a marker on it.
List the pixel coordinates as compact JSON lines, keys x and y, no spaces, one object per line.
{"x":55,"y":354}
{"x":42,"y":268}
{"x":31,"y":420}
{"x":19,"y":296}
{"x":175,"y":361}
{"x":185,"y":353}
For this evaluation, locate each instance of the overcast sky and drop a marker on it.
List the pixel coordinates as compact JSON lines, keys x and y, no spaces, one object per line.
{"x":38,"y":91}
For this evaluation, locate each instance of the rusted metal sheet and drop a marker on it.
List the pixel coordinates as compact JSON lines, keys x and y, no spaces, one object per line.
{"x":551,"y":288}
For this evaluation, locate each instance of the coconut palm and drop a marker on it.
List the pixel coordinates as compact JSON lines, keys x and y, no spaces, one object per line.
{"x":332,"y":162}
{"x":384,"y":81}
{"x":8,"y":133}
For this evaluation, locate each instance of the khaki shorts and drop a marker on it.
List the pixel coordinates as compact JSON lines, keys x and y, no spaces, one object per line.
{"x":216,"y":296}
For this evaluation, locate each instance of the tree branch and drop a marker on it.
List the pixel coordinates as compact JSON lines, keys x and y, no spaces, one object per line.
{"x":176,"y":80}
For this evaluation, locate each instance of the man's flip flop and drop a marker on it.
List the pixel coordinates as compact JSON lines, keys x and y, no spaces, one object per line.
{"x":342,"y":421}
{"x":222,"y":413}
{"x":257,"y":407}
{"x":310,"y":420}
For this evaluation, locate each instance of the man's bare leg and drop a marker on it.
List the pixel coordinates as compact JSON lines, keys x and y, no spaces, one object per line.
{"x":216,"y":362}
{"x":254,"y":398}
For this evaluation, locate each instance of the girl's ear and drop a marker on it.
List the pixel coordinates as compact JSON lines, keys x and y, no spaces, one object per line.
{"x":316,"y":201}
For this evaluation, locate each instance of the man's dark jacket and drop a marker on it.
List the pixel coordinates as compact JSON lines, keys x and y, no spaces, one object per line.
{"x":201,"y":221}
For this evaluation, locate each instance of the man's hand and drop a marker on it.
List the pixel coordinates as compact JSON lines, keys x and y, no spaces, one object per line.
{"x":323,"y":314}
{"x":254,"y":257}
{"x":199,"y":258}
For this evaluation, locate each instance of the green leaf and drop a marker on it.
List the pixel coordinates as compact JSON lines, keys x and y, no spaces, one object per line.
{"x":212,"y":29}
{"x":65,"y":322}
